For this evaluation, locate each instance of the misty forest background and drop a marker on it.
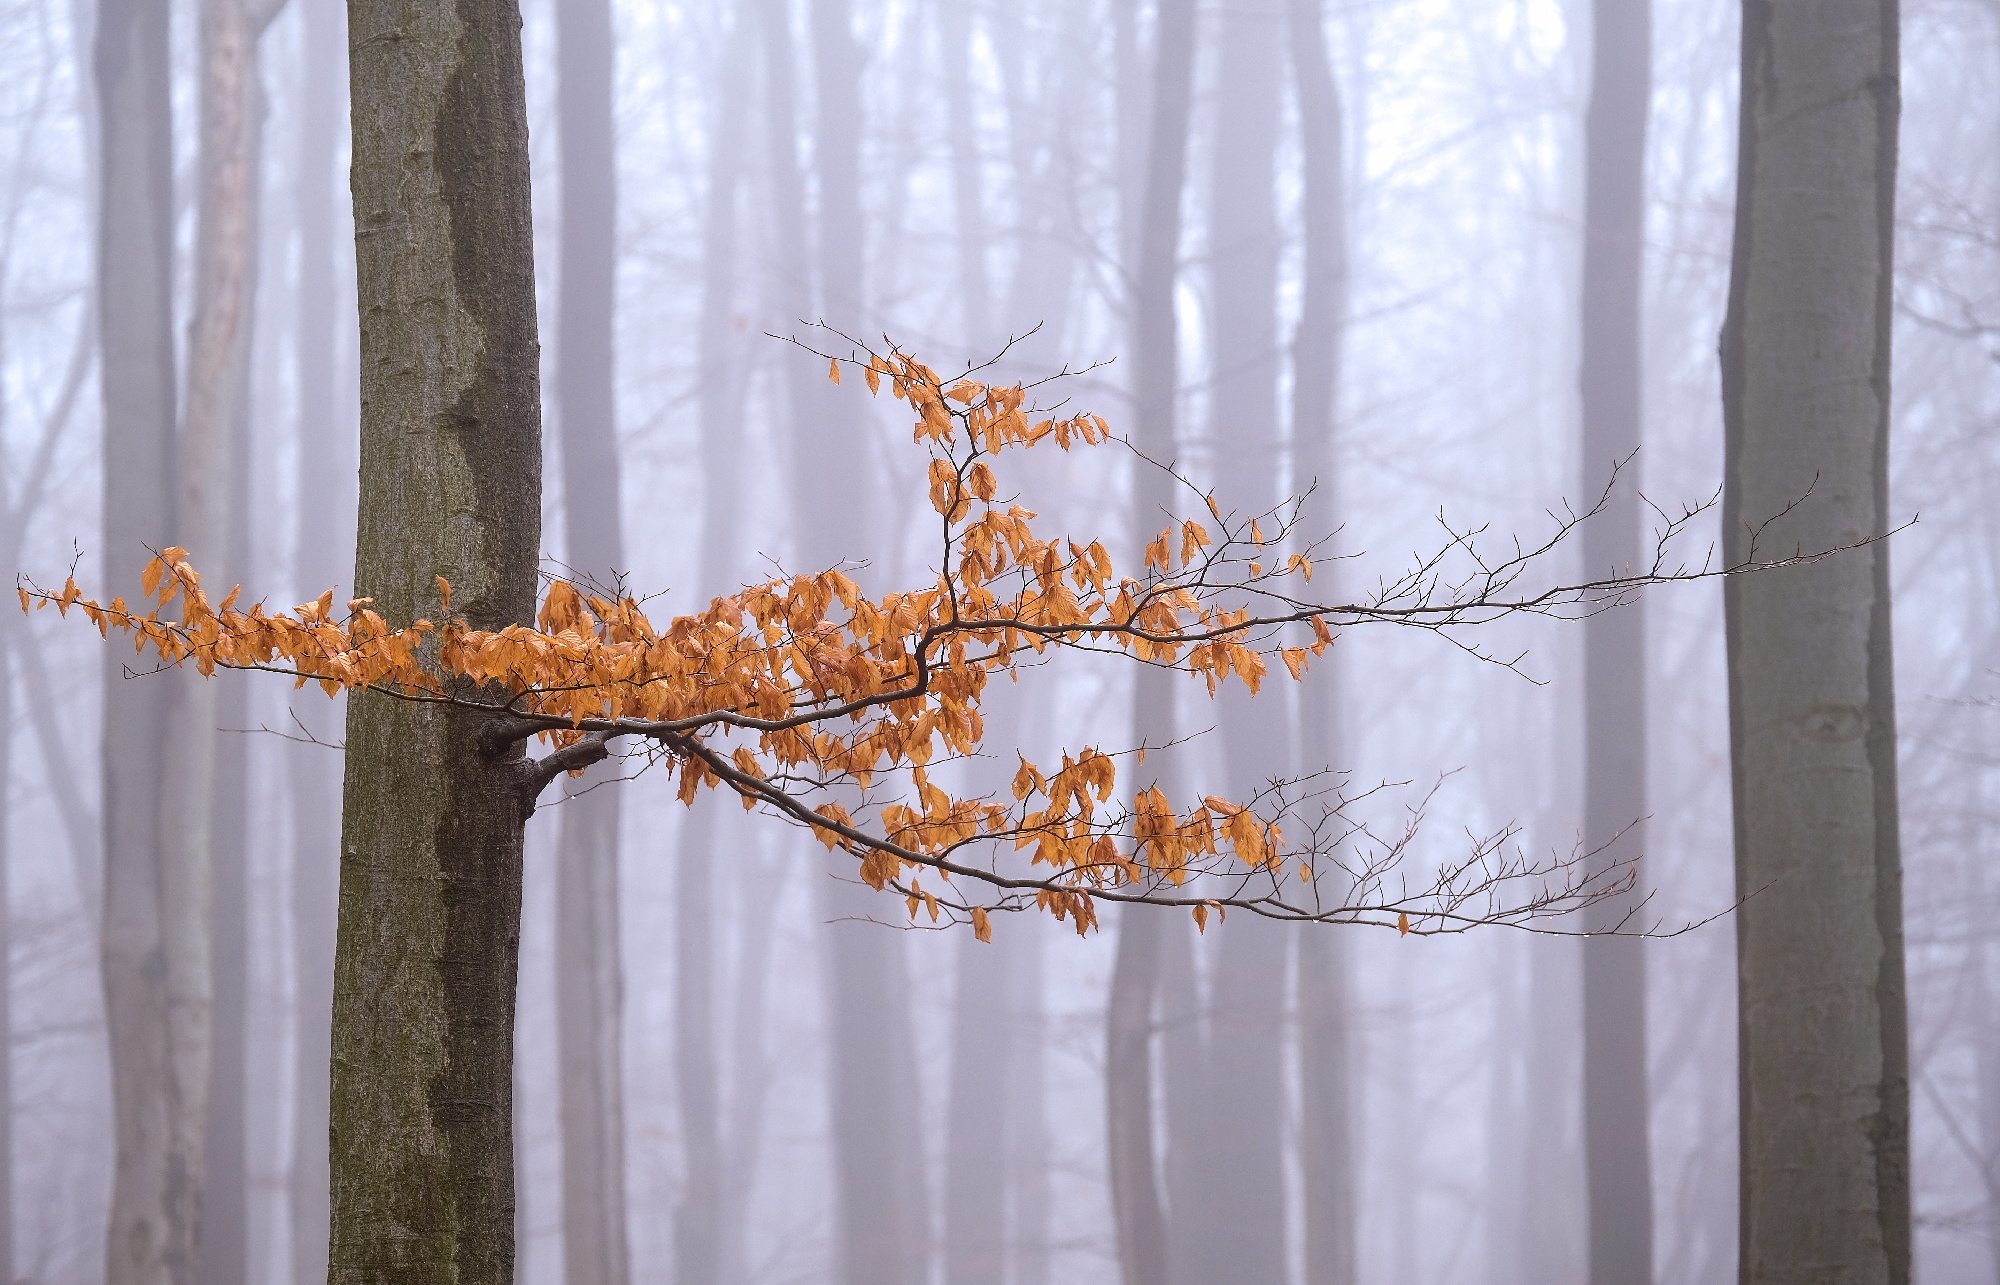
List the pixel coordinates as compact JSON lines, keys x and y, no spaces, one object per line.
{"x":998,"y":171}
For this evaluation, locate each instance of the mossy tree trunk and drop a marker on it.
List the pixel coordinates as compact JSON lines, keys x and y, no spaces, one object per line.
{"x":433,"y":812}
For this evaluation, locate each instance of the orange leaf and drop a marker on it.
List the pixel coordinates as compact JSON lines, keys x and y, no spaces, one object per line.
{"x":980,"y":927}
{"x":833,"y":370}
{"x":1402,"y":924}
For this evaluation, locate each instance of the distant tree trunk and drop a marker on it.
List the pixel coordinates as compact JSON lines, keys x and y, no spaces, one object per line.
{"x":975,"y":293}
{"x":1241,"y":1157}
{"x":1326,"y":1139}
{"x":432,"y":818}
{"x":879,"y":1158}
{"x":323,"y":544}
{"x":1617,"y":1158}
{"x":975,"y":1208}
{"x":1805,"y":366}
{"x":706,"y":1226}
{"x":979,"y":1105}
{"x":1136,"y":1206}
{"x":215,"y":445}
{"x":151,"y":1236}
{"x":1155,"y":228}
{"x":589,"y":986}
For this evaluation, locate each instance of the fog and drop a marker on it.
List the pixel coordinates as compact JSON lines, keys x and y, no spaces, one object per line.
{"x":802,"y":1085}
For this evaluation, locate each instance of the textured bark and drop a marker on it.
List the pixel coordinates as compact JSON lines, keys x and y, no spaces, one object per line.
{"x":1617,"y":1158}
{"x":323,"y":555}
{"x":432,"y":817}
{"x":150,"y":1240}
{"x":1326,"y":1142}
{"x":1805,"y":365}
{"x":589,"y":985}
{"x":1240,"y":1158}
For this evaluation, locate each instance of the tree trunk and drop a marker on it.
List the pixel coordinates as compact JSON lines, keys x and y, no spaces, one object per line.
{"x":589,"y":988}
{"x":323,"y":544}
{"x":975,"y":1208}
{"x":1155,"y":232}
{"x":1326,"y":1142}
{"x":150,"y":1240}
{"x":1136,"y":1206}
{"x":1617,"y":1158}
{"x":706,"y":1224}
{"x":215,"y":469}
{"x":1805,"y":366}
{"x":1241,"y":1159}
{"x":432,"y":816}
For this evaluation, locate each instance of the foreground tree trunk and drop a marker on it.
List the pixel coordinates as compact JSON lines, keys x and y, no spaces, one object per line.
{"x":432,"y":815}
{"x":152,"y":1226}
{"x":1617,"y":1158}
{"x":1805,"y":365}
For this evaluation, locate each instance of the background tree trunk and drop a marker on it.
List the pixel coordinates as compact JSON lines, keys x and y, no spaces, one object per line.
{"x":1617,"y":1157}
{"x":707,"y":1226}
{"x":1156,"y":232}
{"x":1241,"y":1158}
{"x":1805,"y":368}
{"x":589,"y":987}
{"x":214,"y":521}
{"x":323,"y":544}
{"x":150,"y":1240}
{"x":1326,"y":1133}
{"x":432,"y":819}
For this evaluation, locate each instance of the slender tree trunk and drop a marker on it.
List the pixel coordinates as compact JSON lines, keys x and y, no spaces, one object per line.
{"x":589,"y":987}
{"x":1136,"y":1205}
{"x":1617,"y":1157}
{"x":215,"y":446}
{"x":152,"y":1224}
{"x":1155,"y":232}
{"x":323,"y":544}
{"x":1326,"y":1142}
{"x":1242,"y":1162}
{"x":975,"y":293}
{"x":975,"y":1210}
{"x":1805,"y":364}
{"x":704,"y":1222}
{"x":432,"y":817}
{"x":878,"y":1161}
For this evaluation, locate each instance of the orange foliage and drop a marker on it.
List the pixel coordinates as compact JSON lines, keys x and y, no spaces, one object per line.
{"x":813,"y":680}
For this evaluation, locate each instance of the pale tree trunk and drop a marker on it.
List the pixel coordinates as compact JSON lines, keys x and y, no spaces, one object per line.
{"x":215,"y":447}
{"x":589,"y":987}
{"x":978,"y":1103}
{"x":1154,"y":228}
{"x":967,"y":188}
{"x":975,"y":1211}
{"x":878,"y":1155}
{"x":707,"y":1222}
{"x":152,"y":1223}
{"x":1326,"y":1141}
{"x":433,"y":814}
{"x":1805,"y":365}
{"x":1617,"y":1158}
{"x":1241,"y":1158}
{"x":323,"y":544}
